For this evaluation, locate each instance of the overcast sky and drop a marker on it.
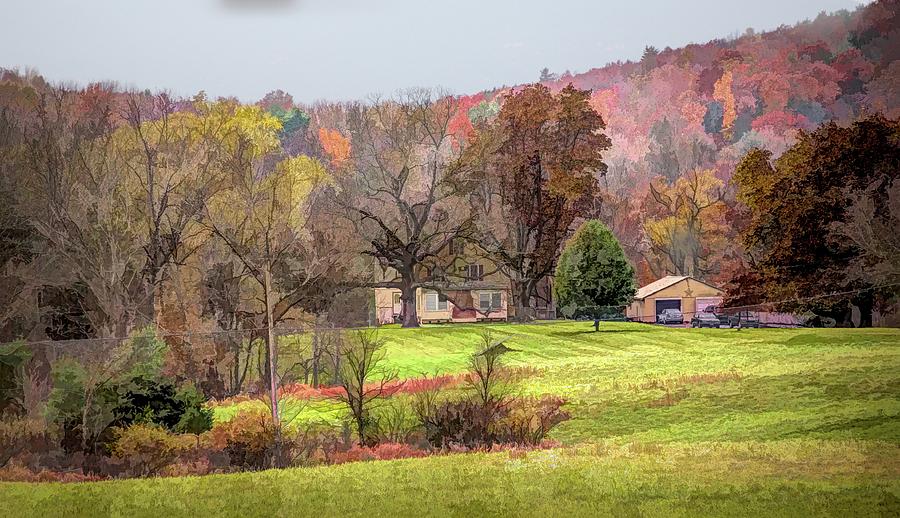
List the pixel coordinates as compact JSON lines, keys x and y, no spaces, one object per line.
{"x":346,"y":49}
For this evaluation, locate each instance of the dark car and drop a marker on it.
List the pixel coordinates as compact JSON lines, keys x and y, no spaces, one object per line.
{"x":704,"y":319}
{"x":743,"y":319}
{"x":733,"y":318}
{"x":718,"y":313}
{"x":670,"y":316}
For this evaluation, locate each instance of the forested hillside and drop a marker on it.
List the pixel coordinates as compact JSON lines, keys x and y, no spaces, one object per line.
{"x":681,"y":119}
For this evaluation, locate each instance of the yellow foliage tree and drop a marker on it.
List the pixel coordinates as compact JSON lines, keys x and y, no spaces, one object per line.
{"x":687,"y":231}
{"x":261,"y":211}
{"x":722,"y":92}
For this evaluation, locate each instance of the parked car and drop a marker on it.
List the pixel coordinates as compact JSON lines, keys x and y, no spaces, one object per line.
{"x":743,"y":319}
{"x":670,"y":316}
{"x":718,"y":313}
{"x":734,"y":318}
{"x":704,"y":319}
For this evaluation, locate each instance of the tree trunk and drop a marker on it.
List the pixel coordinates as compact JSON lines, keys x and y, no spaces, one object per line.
{"x":149,"y":306}
{"x":408,"y":300}
{"x":85,"y":411}
{"x":866,"y":304}
{"x":336,"y":377}
{"x":361,"y":428}
{"x":315,"y":359}
{"x":522,"y":295}
{"x":236,"y":368}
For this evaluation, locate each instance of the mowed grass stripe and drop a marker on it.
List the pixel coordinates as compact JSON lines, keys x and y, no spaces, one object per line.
{"x":790,"y":478}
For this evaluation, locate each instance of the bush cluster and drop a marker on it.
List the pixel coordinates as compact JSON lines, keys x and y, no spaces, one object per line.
{"x":473,"y":424}
{"x":143,"y":424}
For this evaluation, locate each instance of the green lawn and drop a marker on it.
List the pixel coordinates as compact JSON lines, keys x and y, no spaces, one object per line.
{"x":664,"y":422}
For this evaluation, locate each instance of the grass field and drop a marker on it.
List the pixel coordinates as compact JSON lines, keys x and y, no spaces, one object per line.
{"x":664,"y":422}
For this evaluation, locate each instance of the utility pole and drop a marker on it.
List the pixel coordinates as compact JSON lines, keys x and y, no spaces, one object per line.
{"x":270,"y":342}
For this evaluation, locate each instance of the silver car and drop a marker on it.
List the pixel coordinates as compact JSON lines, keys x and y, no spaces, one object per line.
{"x":670,"y":316}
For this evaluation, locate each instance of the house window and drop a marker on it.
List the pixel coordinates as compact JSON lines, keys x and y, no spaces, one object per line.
{"x":457,"y":246}
{"x":475,"y":272}
{"x":489,"y":301}
{"x":435,"y":301}
{"x":396,"y":299}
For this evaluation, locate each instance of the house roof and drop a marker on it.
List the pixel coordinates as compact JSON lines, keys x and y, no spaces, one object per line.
{"x":665,"y":282}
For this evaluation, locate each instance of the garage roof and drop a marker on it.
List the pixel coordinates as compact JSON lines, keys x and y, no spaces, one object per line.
{"x":662,"y":284}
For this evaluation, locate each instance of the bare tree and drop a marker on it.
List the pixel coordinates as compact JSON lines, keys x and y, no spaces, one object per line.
{"x":168,"y":156}
{"x":401,"y":193}
{"x":686,"y":225}
{"x":875,"y":236}
{"x":486,"y":371}
{"x":364,"y":379}
{"x":77,"y":201}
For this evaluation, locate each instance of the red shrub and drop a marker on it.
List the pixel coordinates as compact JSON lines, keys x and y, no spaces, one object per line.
{"x":14,"y":472}
{"x":410,"y":386}
{"x":184,"y":468}
{"x":418,"y":385}
{"x":384,"y":451}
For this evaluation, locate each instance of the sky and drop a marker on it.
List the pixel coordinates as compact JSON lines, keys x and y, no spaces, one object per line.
{"x":349,"y":49}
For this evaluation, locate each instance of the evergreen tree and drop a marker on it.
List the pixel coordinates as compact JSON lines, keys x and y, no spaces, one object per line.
{"x":593,"y":275}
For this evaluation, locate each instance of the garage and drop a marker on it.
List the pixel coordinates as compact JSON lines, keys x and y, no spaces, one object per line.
{"x":684,"y":293}
{"x":662,"y":304}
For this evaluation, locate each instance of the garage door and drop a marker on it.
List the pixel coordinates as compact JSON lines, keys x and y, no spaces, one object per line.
{"x":702,"y":303}
{"x":667,"y":304}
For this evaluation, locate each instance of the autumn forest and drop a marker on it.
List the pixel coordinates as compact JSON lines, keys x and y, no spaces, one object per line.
{"x":123,"y":207}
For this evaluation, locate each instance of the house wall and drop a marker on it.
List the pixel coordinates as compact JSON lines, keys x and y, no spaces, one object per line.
{"x":425,"y":315}
{"x":384,"y":305}
{"x":635,"y":311}
{"x":687,"y":290}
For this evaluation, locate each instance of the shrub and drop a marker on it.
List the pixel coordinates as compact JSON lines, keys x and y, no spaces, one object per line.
{"x":528,"y":420}
{"x":196,"y":417}
{"x":13,"y":357}
{"x":461,"y":423}
{"x":157,"y":401}
{"x":148,"y":400}
{"x":248,"y":439}
{"x":186,"y":468}
{"x":470,"y":424}
{"x":86,"y":400}
{"x":147,"y":449}
{"x":384,"y":451}
{"x":361,"y":361}
{"x":73,"y":391}
{"x":19,"y":434}
{"x":14,"y":472}
{"x":395,"y":421}
{"x":141,"y":398}
{"x":486,"y":370}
